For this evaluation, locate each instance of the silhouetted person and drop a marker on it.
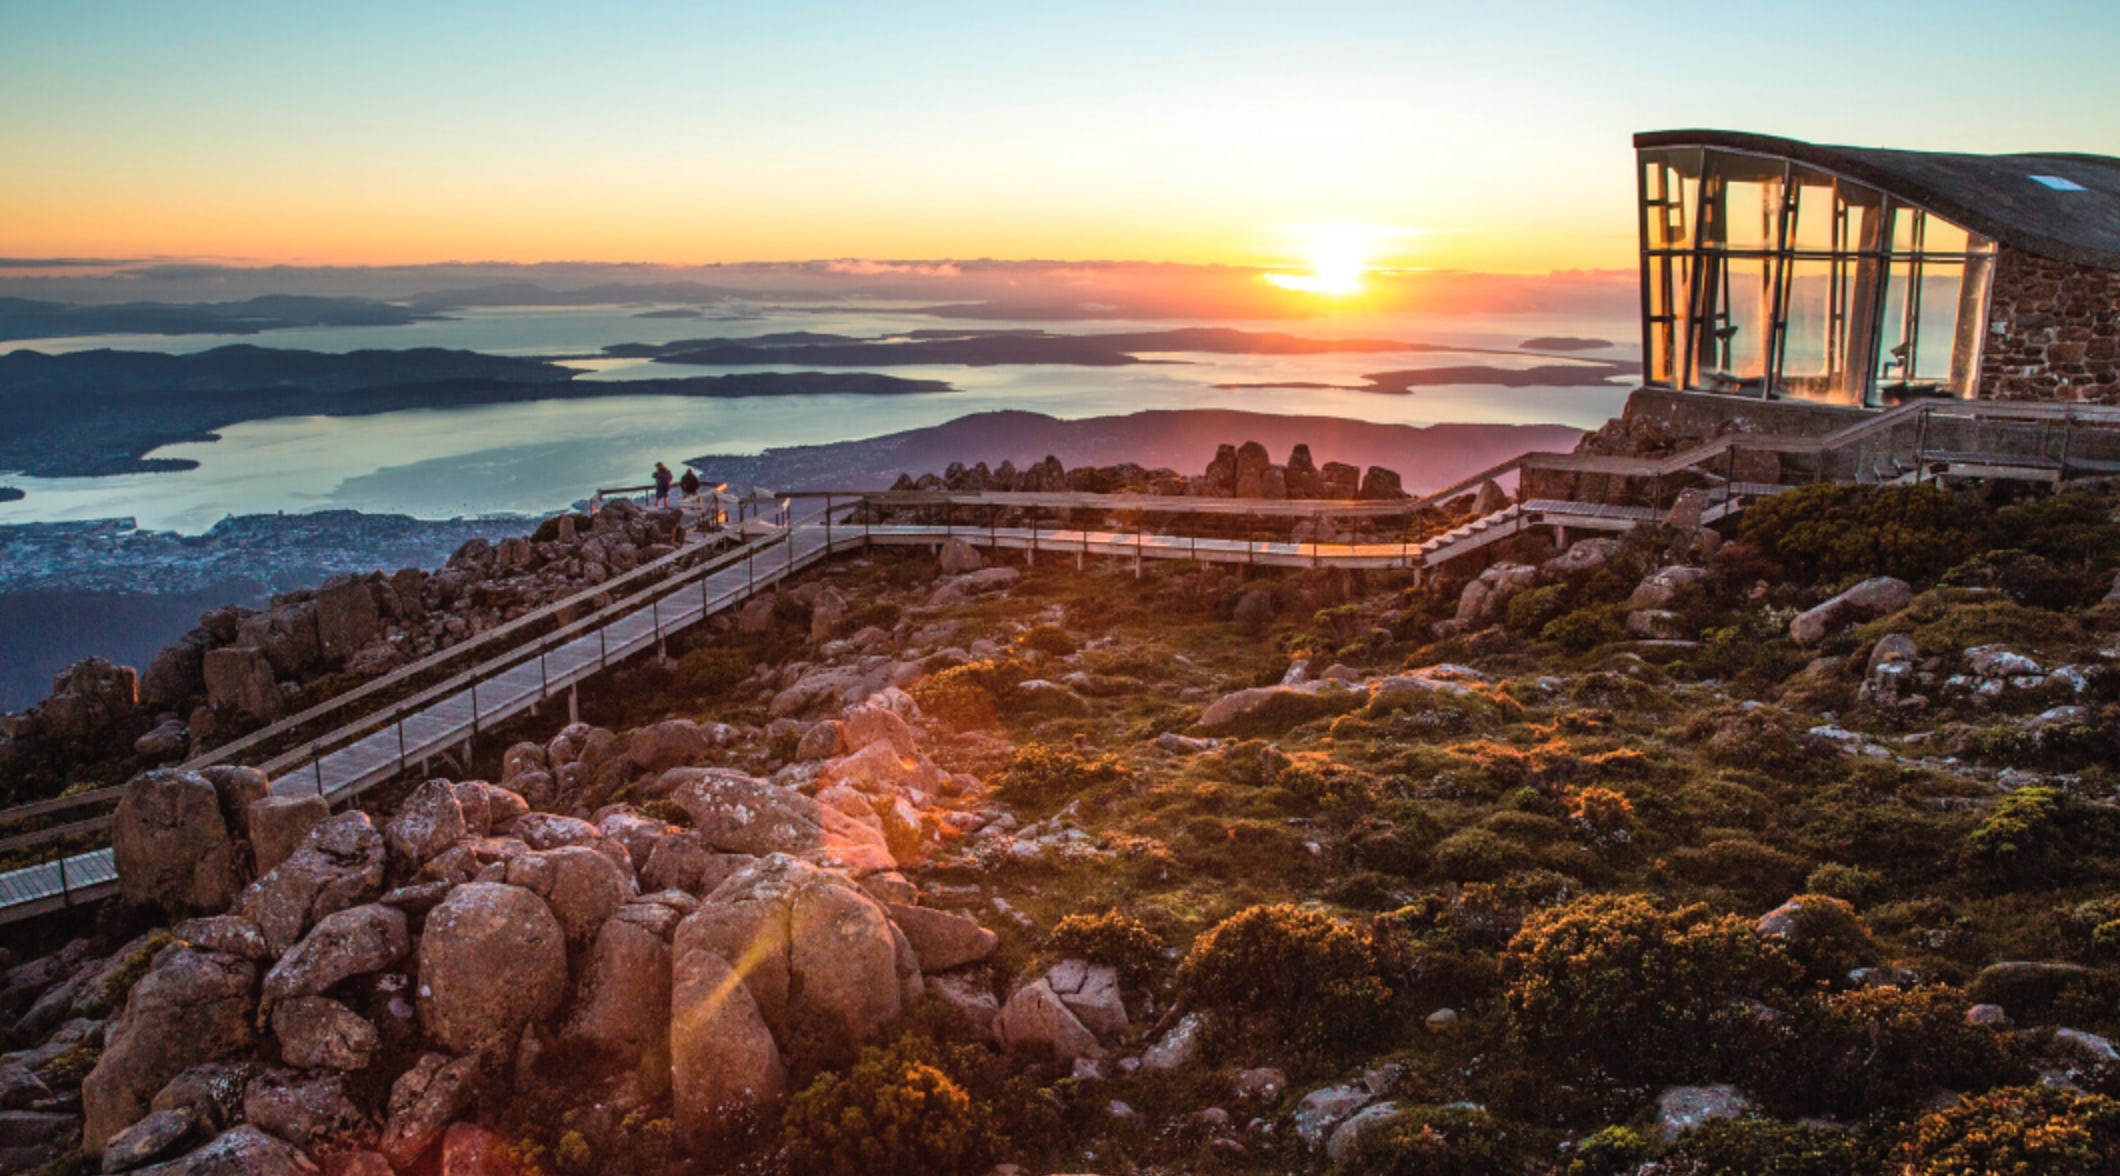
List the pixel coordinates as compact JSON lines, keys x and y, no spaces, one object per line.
{"x":662,"y":484}
{"x":689,"y":483}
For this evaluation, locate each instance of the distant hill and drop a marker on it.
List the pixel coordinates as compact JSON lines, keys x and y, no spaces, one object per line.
{"x":24,"y":318}
{"x":1183,"y":440}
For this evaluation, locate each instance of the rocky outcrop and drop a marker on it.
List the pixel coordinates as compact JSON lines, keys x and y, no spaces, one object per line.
{"x":172,"y":844}
{"x":351,"y":942}
{"x":492,"y":959}
{"x":1872,"y":598}
{"x":192,"y":1006}
{"x":338,"y":864}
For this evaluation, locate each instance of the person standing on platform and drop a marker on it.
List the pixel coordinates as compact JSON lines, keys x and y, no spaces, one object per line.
{"x":662,"y":484}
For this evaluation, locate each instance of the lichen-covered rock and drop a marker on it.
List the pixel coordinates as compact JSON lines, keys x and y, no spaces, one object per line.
{"x":942,"y":939}
{"x":339,"y":864}
{"x":735,"y":813}
{"x":818,"y":955}
{"x":429,"y":821}
{"x":277,"y":825}
{"x":725,"y":1066}
{"x":492,"y":958}
{"x":306,"y":1108}
{"x":422,"y":1102}
{"x":1662,"y":587}
{"x":153,"y":1138}
{"x":192,"y":1006}
{"x":316,"y":1032}
{"x":171,"y":844}
{"x":1036,"y":1021}
{"x":240,"y":1151}
{"x":581,"y":886}
{"x":621,"y":1012}
{"x":352,"y":942}
{"x":1872,"y":598}
{"x":1680,"y":1109}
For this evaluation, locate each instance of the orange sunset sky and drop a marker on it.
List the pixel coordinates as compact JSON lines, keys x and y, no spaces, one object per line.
{"x":1453,"y":136}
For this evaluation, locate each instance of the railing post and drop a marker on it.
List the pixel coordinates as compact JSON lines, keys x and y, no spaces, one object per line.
{"x":474,"y":705}
{"x":603,"y":650}
{"x":316,"y":762}
{"x":400,"y":723}
{"x":66,"y":890}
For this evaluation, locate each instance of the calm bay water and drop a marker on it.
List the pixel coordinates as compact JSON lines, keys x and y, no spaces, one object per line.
{"x":539,"y":456}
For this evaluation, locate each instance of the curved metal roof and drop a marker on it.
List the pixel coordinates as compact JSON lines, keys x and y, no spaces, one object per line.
{"x":1993,"y":195}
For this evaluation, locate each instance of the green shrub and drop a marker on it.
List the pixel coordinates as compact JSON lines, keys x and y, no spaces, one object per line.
{"x":1827,"y":938}
{"x":1762,"y":1147}
{"x":1585,"y":628}
{"x":118,"y":984}
{"x":963,"y":696}
{"x":1831,"y":531}
{"x":2039,"y":831}
{"x":1458,"y":1140}
{"x":1739,"y":864}
{"x":712,"y":670}
{"x":1530,"y":612}
{"x":1049,"y":639}
{"x":1041,"y":774}
{"x":2016,"y":1131}
{"x":1851,"y":884}
{"x":1620,"y":983}
{"x":895,"y":1113}
{"x":1114,"y":938}
{"x":1611,"y":1151}
{"x":1881,"y":1049}
{"x":1603,"y":816}
{"x":1310,"y":980}
{"x":1477,"y":855}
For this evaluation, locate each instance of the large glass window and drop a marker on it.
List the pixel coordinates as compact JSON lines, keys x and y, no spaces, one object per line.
{"x":1764,"y":277}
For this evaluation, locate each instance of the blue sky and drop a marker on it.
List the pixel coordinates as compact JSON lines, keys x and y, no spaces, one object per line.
{"x":1195,"y":132}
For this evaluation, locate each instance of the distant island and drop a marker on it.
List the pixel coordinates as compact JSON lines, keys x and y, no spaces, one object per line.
{"x":675,"y":312}
{"x":100,"y":412}
{"x":1589,"y":374}
{"x":24,"y":318}
{"x":11,"y":494}
{"x":1565,"y":343}
{"x":993,"y":347}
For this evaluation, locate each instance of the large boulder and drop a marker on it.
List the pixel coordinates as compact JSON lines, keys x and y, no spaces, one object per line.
{"x":172,"y":845}
{"x":1282,"y":706}
{"x":240,"y":1151}
{"x":352,"y":942}
{"x":178,"y":673}
{"x":422,"y":1102}
{"x":725,"y":1067}
{"x":1483,"y":598}
{"x":347,"y":618}
{"x":192,"y":1006}
{"x":492,"y":958}
{"x":317,"y":1032}
{"x":278,"y":824}
{"x":735,"y":813}
{"x":818,"y":955}
{"x":621,"y":1011}
{"x":959,"y":557}
{"x":671,"y":743}
{"x":339,"y":864}
{"x":581,"y":886}
{"x":1381,"y":485}
{"x":240,"y":678}
{"x":429,"y":821}
{"x":942,"y":939}
{"x":308,"y":1108}
{"x":1660,"y":588}
{"x":1872,"y":598}
{"x":287,"y":635}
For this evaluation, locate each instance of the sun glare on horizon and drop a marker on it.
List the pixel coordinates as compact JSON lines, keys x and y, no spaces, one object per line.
{"x":1339,"y":256}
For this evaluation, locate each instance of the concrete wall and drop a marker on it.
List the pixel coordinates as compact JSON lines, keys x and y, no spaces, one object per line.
{"x":2053,"y":332}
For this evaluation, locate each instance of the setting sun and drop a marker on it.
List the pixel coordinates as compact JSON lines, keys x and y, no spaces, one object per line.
{"x":1339,"y":256}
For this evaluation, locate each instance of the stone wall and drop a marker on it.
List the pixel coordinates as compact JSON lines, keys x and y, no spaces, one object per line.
{"x":2053,"y":332}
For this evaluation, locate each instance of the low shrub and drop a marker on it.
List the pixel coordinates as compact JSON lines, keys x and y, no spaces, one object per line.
{"x":1827,"y":938}
{"x":1307,"y":979}
{"x":1530,"y":612}
{"x":1850,"y":884}
{"x":895,"y":1113}
{"x":712,"y":670}
{"x":1585,"y":628}
{"x":2040,"y":831}
{"x":1730,"y":1147}
{"x":1457,"y":1140}
{"x":1602,"y":816}
{"x":1832,"y":531}
{"x":1624,"y":985}
{"x":1048,"y":639}
{"x":2016,"y":1131}
{"x":1477,"y":855}
{"x":1881,"y":1049}
{"x":1113,"y":938}
{"x":1042,"y":774}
